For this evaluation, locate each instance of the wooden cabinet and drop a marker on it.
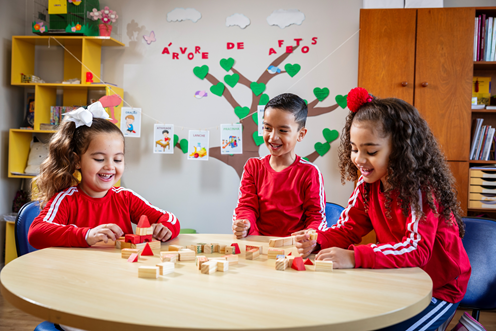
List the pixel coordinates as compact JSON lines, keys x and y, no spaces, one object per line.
{"x":87,"y":56}
{"x":425,"y":57}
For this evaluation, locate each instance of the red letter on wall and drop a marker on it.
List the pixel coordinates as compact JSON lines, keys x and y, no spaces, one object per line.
{"x":305,"y":49}
{"x":205,"y":55}
{"x":314,"y":41}
{"x":289,"y":49}
{"x":298,"y":41}
{"x":197,"y":49}
{"x":272,"y":51}
{"x":191,"y":56}
{"x":230,"y":45}
{"x":175,"y":56}
{"x":280,"y":42}
{"x":241,"y":45}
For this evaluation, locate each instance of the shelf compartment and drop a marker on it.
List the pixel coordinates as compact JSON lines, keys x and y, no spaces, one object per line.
{"x":19,"y":144}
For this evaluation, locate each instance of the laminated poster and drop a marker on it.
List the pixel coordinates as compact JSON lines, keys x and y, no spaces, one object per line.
{"x":230,"y":139}
{"x":198,"y":145}
{"x":163,"y":138}
{"x":260,"y":114}
{"x":131,"y":122}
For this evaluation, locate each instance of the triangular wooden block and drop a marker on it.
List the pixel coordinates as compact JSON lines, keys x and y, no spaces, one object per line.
{"x":236,"y":248}
{"x":290,"y":253}
{"x":143,"y":222}
{"x":133,"y":258}
{"x":308,"y":262}
{"x":147,"y":251}
{"x":298,"y":264}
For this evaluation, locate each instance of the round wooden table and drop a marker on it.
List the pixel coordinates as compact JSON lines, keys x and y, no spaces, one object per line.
{"x":95,"y":289}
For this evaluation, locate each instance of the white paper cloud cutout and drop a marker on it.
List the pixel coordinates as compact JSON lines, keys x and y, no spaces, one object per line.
{"x":238,"y":19}
{"x":181,"y":14}
{"x":283,"y":18}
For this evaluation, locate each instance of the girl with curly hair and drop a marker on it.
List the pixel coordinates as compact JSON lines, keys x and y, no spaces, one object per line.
{"x":406,"y":193}
{"x":81,"y":213}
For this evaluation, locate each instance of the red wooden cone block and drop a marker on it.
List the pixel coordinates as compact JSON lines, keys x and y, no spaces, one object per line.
{"x":143,"y":222}
{"x":298,"y":264}
{"x":236,"y":248}
{"x":133,"y":258}
{"x":147,"y":251}
{"x":308,"y":262}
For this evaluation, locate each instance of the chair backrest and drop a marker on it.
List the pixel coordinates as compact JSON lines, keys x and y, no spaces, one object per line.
{"x":333,"y":211}
{"x":480,"y":244}
{"x":25,"y":217}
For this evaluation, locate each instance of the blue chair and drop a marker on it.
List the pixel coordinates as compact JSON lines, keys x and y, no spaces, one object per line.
{"x":25,"y":217}
{"x":480,"y":245}
{"x":333,"y":211}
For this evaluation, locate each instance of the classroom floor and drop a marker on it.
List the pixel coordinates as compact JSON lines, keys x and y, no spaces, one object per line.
{"x":12,"y":319}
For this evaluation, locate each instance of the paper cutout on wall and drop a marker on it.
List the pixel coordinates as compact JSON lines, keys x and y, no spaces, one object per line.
{"x":163,"y":143}
{"x":181,"y":14}
{"x":201,"y":94}
{"x":227,"y":64}
{"x":149,"y":39}
{"x":198,"y":145}
{"x":218,"y":89}
{"x":231,"y":80}
{"x":321,"y":93}
{"x":131,"y":122}
{"x":257,"y":139}
{"x":259,"y":121}
{"x":231,"y":139}
{"x":257,"y":88}
{"x":292,"y":69}
{"x":237,"y":19}
{"x":330,"y":135}
{"x":201,"y":72}
{"x":341,"y":100}
{"x":283,"y":18}
{"x":273,"y":70}
{"x":241,"y":112}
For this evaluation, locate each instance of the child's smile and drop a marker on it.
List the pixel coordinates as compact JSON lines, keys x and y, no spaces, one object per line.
{"x":370,"y":151}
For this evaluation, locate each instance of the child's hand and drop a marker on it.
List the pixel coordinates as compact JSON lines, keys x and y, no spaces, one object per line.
{"x":304,"y":245}
{"x":161,"y":232}
{"x":240,"y":228}
{"x":103,"y":233}
{"x":341,"y":258}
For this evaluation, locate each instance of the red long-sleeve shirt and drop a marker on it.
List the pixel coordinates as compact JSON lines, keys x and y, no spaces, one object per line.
{"x":71,"y":213}
{"x":280,"y":203}
{"x":430,"y":244}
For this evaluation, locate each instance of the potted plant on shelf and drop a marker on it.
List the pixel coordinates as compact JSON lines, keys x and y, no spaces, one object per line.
{"x":107,"y":16}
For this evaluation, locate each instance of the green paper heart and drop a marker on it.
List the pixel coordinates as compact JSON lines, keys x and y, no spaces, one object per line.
{"x":176,"y":139}
{"x":184,"y":145}
{"x":255,"y":118}
{"x":241,"y":112}
{"x":227,"y":64}
{"x":231,"y":80}
{"x":341,"y":100}
{"x":217,"y":89}
{"x":321,"y":94}
{"x":201,"y":72}
{"x":264,"y":99}
{"x":257,"y":139}
{"x":292,"y":69}
{"x":322,"y":149}
{"x":257,"y":88}
{"x":306,"y":158}
{"x":330,"y":135}
{"x":306,"y":102}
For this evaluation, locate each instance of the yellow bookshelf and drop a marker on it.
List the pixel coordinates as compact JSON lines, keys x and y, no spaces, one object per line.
{"x":85,"y":49}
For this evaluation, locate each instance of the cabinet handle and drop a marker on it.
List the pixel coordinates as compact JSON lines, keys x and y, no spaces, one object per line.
{"x":404,"y":84}
{"x":425,"y":84}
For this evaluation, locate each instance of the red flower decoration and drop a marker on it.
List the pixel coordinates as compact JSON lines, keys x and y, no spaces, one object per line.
{"x":357,"y":97}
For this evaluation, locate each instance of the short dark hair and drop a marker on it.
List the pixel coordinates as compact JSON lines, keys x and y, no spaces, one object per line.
{"x":165,"y":131}
{"x":293,"y":104}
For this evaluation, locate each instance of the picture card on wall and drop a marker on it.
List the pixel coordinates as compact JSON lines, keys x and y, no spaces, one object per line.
{"x":231,"y":139}
{"x":198,"y":145}
{"x":383,"y":4}
{"x":260,"y":114}
{"x":163,"y":138}
{"x":424,"y":3}
{"x":131,"y":122}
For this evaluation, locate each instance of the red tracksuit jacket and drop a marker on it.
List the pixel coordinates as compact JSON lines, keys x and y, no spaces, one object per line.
{"x":70,"y":214}
{"x":280,"y":203}
{"x":430,"y":244}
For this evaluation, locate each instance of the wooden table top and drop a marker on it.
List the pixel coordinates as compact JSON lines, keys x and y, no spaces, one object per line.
{"x":95,"y":289}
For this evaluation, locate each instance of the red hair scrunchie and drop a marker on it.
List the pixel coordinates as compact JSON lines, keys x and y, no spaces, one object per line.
{"x":357,"y":97}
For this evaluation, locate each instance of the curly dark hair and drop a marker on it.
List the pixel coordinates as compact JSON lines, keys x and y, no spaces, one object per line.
{"x":416,"y":161}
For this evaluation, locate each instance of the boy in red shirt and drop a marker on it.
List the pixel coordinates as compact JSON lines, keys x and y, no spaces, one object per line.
{"x":280,"y":193}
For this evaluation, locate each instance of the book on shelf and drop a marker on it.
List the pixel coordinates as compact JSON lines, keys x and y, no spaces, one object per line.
{"x":476,"y":31}
{"x":483,"y":139}
{"x":476,"y":130}
{"x":489,"y":143}
{"x":481,"y":89}
{"x":489,"y":38}
{"x":485,"y":38}
{"x":103,"y":83}
{"x":480,"y":147}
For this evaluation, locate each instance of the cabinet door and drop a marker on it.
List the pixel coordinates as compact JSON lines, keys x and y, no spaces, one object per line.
{"x":443,"y":76}
{"x":386,"y":55}
{"x":460,"y":172}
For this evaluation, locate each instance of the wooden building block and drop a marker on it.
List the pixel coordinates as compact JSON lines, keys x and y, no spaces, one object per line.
{"x":232,"y":259}
{"x":144,"y":231}
{"x":288,"y":241}
{"x":126,"y":252}
{"x":298,"y":264}
{"x":250,"y":247}
{"x":201,"y":244}
{"x":229,"y":250}
{"x":281,"y":264}
{"x":133,"y":258}
{"x":252,"y":254}
{"x":198,"y":248}
{"x":175,"y":247}
{"x":209,"y":267}
{"x":222,"y":249}
{"x":308,"y":262}
{"x":222,"y":266}
{"x":146,"y":238}
{"x":199,"y":257}
{"x":164,"y":257}
{"x":313,"y":236}
{"x":290,"y":260}
{"x":236,"y":248}
{"x":208,"y":249}
{"x":323,"y":265}
{"x":273,"y":252}
{"x":132,"y":238}
{"x":216,"y":247}
{"x":155,"y":245}
{"x":165,"y":268}
{"x":121,"y":243}
{"x":200,"y":261}
{"x":187,"y":255}
{"x":147,"y":251}
{"x":148,"y":272}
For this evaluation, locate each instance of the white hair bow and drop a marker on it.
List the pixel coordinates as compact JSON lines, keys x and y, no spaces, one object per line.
{"x":82,"y":116}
